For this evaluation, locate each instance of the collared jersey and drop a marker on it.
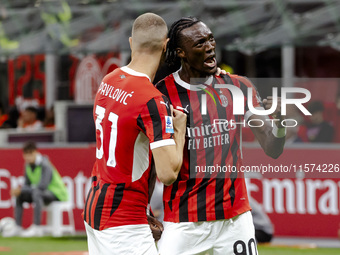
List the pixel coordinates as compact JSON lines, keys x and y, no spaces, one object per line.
{"x":132,"y":117}
{"x":197,"y":194}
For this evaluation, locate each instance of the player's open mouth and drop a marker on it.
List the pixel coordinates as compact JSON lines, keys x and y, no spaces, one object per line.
{"x":210,"y":62}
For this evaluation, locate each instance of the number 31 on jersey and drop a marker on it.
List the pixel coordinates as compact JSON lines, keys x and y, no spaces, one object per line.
{"x":113,"y":118}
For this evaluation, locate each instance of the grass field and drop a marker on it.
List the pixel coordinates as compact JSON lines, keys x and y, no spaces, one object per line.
{"x":297,"y":251}
{"x":39,"y":246}
{"x":26,"y":246}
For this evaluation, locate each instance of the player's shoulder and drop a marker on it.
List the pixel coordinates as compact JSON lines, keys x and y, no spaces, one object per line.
{"x":162,"y":83}
{"x":112,"y":75}
{"x":124,"y":73}
{"x":130,"y":84}
{"x":148,"y":92}
{"x":140,"y":83}
{"x":155,"y":93}
{"x":238,"y":80}
{"x":245,"y":80}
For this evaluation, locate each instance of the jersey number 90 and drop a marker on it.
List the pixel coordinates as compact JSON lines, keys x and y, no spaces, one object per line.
{"x":240,"y":248}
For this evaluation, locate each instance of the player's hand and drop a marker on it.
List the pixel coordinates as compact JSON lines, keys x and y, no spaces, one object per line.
{"x":277,"y":113}
{"x":156,"y":227}
{"x":220,"y":71}
{"x":179,"y":120}
{"x":16,"y":192}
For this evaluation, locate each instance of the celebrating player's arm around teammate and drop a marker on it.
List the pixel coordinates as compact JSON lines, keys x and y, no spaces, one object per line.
{"x":132,"y":120}
{"x":208,"y":213}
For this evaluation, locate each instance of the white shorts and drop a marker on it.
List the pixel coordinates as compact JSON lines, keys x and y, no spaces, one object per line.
{"x":128,"y":239}
{"x":232,"y":236}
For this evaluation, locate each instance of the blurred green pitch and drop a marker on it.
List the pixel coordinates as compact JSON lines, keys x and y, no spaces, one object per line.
{"x":27,"y":246}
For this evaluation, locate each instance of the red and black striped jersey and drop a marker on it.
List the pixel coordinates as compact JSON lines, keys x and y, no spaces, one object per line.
{"x":197,"y":195}
{"x":131,"y":117}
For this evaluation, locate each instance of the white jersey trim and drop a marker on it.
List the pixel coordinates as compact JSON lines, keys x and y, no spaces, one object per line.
{"x":133,"y":72}
{"x":189,"y":86}
{"x":161,"y":143}
{"x":140,"y":156}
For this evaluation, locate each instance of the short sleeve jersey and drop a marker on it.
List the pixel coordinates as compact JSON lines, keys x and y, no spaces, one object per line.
{"x":132,"y":117}
{"x":198,"y":196}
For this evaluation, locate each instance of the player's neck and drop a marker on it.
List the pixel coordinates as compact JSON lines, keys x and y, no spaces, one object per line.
{"x":186,"y":73}
{"x":145,"y":63}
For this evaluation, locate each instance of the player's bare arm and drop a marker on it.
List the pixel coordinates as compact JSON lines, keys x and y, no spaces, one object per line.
{"x":271,"y":139}
{"x":155,"y":225}
{"x":169,"y":159}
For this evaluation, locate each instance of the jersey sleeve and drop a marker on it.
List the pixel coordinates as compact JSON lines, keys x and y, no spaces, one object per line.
{"x":155,"y":122}
{"x":162,"y":87}
{"x":245,"y":83}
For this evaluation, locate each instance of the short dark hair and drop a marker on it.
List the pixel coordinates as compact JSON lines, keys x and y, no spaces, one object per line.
{"x":29,"y":147}
{"x":316,"y":106}
{"x":174,"y":38}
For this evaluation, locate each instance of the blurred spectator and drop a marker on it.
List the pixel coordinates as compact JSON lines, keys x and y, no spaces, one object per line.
{"x":336,"y":119}
{"x":292,"y":135}
{"x":316,"y":129}
{"x":22,"y":103}
{"x":332,"y":115}
{"x":3,"y":115}
{"x":13,"y":116}
{"x":43,"y":185}
{"x":49,"y":119}
{"x":29,"y":120}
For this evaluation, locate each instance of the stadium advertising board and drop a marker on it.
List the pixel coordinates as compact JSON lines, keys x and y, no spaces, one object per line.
{"x":298,"y":203}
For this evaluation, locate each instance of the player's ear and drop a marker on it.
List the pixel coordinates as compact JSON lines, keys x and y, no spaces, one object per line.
{"x":165,"y":44}
{"x":180,"y":53}
{"x":130,"y":42}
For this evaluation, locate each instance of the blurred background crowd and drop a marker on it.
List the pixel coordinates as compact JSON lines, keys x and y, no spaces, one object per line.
{"x":58,"y":51}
